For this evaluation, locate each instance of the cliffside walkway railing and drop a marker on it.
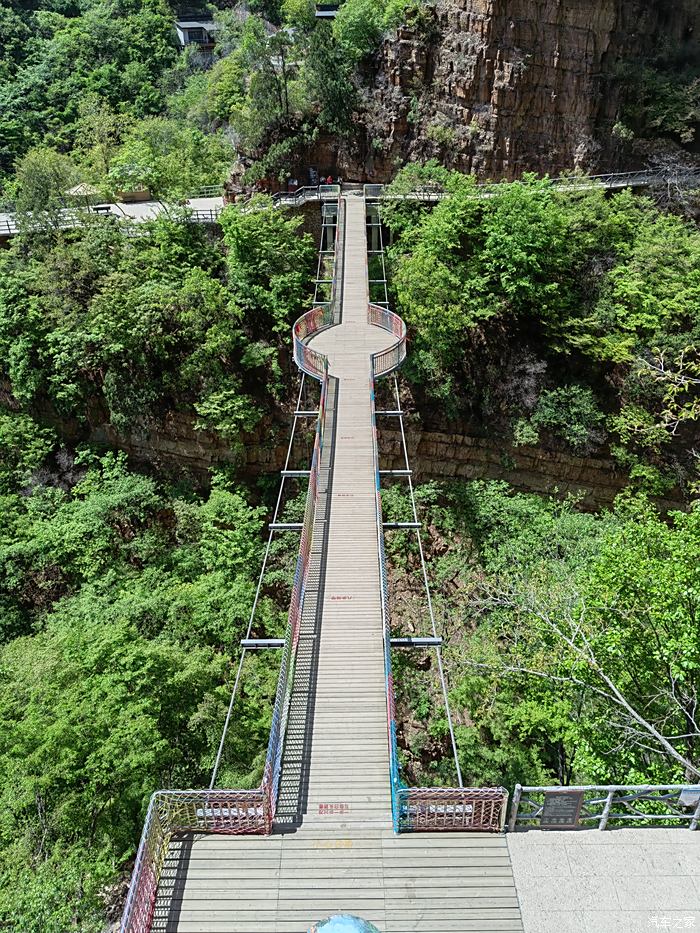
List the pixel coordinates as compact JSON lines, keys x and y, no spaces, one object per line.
{"x":645,"y":178}
{"x":206,"y":207}
{"x":600,"y":805}
{"x":226,"y":811}
{"x":208,"y":201}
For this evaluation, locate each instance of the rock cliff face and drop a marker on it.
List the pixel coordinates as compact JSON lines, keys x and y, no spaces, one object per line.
{"x":499,"y":87}
{"x":175,"y":446}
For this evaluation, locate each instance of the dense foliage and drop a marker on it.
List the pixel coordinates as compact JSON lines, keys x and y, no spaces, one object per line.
{"x":122,"y":602}
{"x":663,"y":93}
{"x":103,"y":86}
{"x":99,"y":317}
{"x":571,"y":317}
{"x":123,"y":598}
{"x":59,"y":59}
{"x":556,"y":280}
{"x":571,"y":639}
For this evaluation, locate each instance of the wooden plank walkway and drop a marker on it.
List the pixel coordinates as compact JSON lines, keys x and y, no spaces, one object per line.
{"x":334,"y":850}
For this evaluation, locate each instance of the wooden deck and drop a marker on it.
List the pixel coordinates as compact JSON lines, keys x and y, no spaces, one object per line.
{"x":334,"y":850}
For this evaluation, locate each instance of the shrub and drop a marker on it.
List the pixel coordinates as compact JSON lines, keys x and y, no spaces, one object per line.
{"x":358,"y":27}
{"x":570,"y":413}
{"x":525,"y":434}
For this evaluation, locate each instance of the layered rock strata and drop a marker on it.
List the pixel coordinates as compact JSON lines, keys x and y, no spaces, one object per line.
{"x":500,"y":87}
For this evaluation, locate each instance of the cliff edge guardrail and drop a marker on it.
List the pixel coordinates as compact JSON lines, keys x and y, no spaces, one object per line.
{"x":624,"y":804}
{"x":612,"y":181}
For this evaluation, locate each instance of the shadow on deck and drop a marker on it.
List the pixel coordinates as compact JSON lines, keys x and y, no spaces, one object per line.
{"x":294,"y":781}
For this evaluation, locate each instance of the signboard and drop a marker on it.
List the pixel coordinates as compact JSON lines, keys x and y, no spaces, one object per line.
{"x":561,"y":809}
{"x":689,"y":797}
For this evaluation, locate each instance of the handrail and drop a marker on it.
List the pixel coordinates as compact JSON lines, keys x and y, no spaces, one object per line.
{"x":229,"y":812}
{"x":339,"y":263}
{"x":640,"y":179}
{"x":307,"y":193}
{"x":596,"y":802}
{"x":394,"y":774}
{"x":74,"y":217}
{"x":310,"y":361}
{"x":386,"y":361}
{"x":206,"y":191}
{"x":223,"y":811}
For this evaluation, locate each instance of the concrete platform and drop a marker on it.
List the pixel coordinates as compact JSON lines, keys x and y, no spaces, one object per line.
{"x":615,"y":881}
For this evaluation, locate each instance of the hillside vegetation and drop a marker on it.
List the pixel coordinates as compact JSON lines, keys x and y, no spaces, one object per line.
{"x":571,"y":639}
{"x":556,"y":313}
{"x":568,"y":319}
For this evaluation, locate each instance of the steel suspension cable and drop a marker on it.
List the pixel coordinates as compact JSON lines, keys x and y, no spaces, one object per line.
{"x":427,"y":588}
{"x":257,"y":596}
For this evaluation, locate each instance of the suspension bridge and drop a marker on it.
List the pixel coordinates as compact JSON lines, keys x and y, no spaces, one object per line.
{"x":332,"y":828}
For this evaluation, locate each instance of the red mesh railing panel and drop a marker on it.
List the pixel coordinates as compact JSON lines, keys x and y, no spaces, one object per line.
{"x":388,"y":360}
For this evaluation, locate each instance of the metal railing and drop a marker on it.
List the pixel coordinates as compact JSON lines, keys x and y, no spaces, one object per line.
{"x":645,"y":178}
{"x":386,"y":361}
{"x":172,"y":812}
{"x":601,"y":804}
{"x":8,"y":226}
{"x":337,"y":288}
{"x":207,"y":191}
{"x":205,"y":217}
{"x":419,"y":809}
{"x":229,"y":812}
{"x":310,"y":361}
{"x":455,"y":809}
{"x":307,"y":193}
{"x":75,"y":217}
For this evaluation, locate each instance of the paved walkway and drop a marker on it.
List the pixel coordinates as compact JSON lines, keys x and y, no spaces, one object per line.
{"x":139,"y":211}
{"x":616,"y":881}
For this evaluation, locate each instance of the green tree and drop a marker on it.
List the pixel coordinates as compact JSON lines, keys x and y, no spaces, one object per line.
{"x":570,"y":412}
{"x":269,"y":263}
{"x":256,"y":88}
{"x":94,"y":717}
{"x":116,"y":52}
{"x":136,"y":325}
{"x":327,"y":79}
{"x":99,"y":131}
{"x":24,"y":445}
{"x":581,"y":631}
{"x":358,"y":28}
{"x":299,"y":14}
{"x":169,"y":158}
{"x":43,"y":180}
